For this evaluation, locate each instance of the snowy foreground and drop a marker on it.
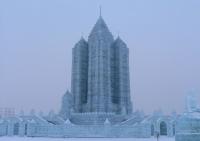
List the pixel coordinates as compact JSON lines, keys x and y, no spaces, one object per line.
{"x":82,"y":139}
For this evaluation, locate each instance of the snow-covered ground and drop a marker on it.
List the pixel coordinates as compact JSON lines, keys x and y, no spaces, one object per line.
{"x":82,"y":139}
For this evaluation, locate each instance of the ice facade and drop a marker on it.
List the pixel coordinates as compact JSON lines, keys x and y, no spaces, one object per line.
{"x":136,"y":125}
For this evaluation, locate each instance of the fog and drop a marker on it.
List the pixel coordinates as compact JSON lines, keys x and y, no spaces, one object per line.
{"x":37,"y":37}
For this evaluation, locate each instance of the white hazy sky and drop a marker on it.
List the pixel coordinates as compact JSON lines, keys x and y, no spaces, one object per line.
{"x":36,"y":39}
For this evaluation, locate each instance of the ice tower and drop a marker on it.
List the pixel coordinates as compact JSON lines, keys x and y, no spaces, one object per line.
{"x":100,"y":73}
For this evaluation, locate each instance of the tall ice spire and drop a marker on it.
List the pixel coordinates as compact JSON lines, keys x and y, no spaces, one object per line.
{"x":100,"y":76}
{"x":100,"y":31}
{"x":99,"y":45}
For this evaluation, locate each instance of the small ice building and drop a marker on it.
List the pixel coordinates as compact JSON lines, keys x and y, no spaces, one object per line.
{"x":163,"y":124}
{"x":188,"y":124}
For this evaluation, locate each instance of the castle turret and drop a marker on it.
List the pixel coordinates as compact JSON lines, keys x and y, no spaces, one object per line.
{"x":80,"y":74}
{"x":99,"y":92}
{"x":120,"y":77}
{"x":66,"y":106}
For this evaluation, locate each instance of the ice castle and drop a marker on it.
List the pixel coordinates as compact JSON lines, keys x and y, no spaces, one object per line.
{"x":99,"y":104}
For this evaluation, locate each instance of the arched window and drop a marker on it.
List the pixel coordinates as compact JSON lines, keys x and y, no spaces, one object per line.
{"x":174,"y":131}
{"x":152,"y":130}
{"x":7,"y":129}
{"x":26,"y":126}
{"x":16,"y":128}
{"x":163,"y":128}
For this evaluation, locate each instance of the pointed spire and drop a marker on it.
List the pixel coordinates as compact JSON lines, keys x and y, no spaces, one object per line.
{"x":67,"y":92}
{"x":101,"y":30}
{"x":68,"y":122}
{"x":119,"y":41}
{"x":100,"y":11}
{"x":80,"y":42}
{"x":107,"y":122}
{"x":118,"y":34}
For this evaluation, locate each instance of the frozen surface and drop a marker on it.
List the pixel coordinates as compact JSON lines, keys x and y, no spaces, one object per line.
{"x":83,"y":139}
